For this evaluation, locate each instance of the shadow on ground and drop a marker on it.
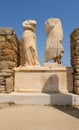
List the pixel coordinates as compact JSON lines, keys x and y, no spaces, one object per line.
{"x":57,"y":98}
{"x":70,"y":110}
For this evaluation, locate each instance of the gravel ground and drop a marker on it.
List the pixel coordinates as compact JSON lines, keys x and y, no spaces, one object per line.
{"x":15,"y":117}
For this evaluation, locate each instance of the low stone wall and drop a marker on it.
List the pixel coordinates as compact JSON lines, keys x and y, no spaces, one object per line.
{"x":74,"y":45}
{"x":9,"y":58}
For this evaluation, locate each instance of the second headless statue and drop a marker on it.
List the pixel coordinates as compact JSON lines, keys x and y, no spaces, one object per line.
{"x":29,"y":56}
{"x":54,"y":49}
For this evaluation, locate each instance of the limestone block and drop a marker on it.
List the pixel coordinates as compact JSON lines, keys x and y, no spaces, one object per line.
{"x":0,"y":53}
{"x":53,"y":65}
{"x":7,"y":51}
{"x":1,"y":79}
{"x":2,"y":88}
{"x":9,"y":84}
{"x":4,"y":45}
{"x":7,"y":64}
{"x":7,"y":73}
{"x":76,"y":90}
{"x":70,"y":79}
{"x":43,"y":80}
{"x":76,"y":82}
{"x":76,"y":76}
{"x":2,"y":83}
{"x":6,"y":58}
{"x":75,"y":34}
{"x":15,"y":48}
{"x":2,"y":39}
{"x":6,"y":31}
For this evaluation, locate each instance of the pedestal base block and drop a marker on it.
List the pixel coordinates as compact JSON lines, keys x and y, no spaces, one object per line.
{"x":43,"y":79}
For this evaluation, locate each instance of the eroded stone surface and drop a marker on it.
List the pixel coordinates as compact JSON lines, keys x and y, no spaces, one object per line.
{"x":9,"y":58}
{"x":54,"y":32}
{"x":74,"y":46}
{"x":28,"y":49}
{"x":44,"y":79}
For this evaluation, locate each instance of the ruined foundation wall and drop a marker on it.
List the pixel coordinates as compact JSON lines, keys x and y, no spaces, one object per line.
{"x":9,"y":58}
{"x":74,"y":45}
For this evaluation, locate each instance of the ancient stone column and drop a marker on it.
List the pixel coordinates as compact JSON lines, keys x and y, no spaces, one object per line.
{"x":9,"y":58}
{"x":29,"y":56}
{"x":54,"y":48}
{"x":74,"y":46}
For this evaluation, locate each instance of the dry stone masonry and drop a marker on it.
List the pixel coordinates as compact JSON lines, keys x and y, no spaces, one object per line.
{"x":74,"y":45}
{"x":9,"y":58}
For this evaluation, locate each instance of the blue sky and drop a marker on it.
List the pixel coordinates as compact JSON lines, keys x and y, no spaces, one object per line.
{"x":14,"y":12}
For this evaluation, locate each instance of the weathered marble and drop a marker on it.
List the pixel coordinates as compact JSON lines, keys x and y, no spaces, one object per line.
{"x":54,"y":32}
{"x":43,"y":79}
{"x":29,"y":56}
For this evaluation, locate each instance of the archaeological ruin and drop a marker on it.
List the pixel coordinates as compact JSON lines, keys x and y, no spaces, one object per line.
{"x":21,"y":72}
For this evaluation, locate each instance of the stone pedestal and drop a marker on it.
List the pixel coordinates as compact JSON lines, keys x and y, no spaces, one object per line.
{"x":43,"y":79}
{"x":52,"y":65}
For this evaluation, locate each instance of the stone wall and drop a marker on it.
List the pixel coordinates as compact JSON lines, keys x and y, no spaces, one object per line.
{"x":74,"y":45}
{"x":9,"y":58}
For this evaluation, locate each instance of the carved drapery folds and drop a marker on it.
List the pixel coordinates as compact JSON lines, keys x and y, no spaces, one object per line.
{"x":54,"y":49}
{"x":29,"y":56}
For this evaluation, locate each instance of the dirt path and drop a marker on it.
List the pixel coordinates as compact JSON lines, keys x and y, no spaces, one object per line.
{"x":38,"y":118}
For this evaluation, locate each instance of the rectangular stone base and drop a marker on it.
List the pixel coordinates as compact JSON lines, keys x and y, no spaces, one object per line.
{"x":43,"y":79}
{"x":40,"y":98}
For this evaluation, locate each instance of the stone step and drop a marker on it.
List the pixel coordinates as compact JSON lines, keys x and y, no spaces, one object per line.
{"x":40,"y":98}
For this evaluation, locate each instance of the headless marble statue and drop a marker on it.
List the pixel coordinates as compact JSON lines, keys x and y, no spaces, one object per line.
{"x":29,"y":55}
{"x":54,"y":49}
